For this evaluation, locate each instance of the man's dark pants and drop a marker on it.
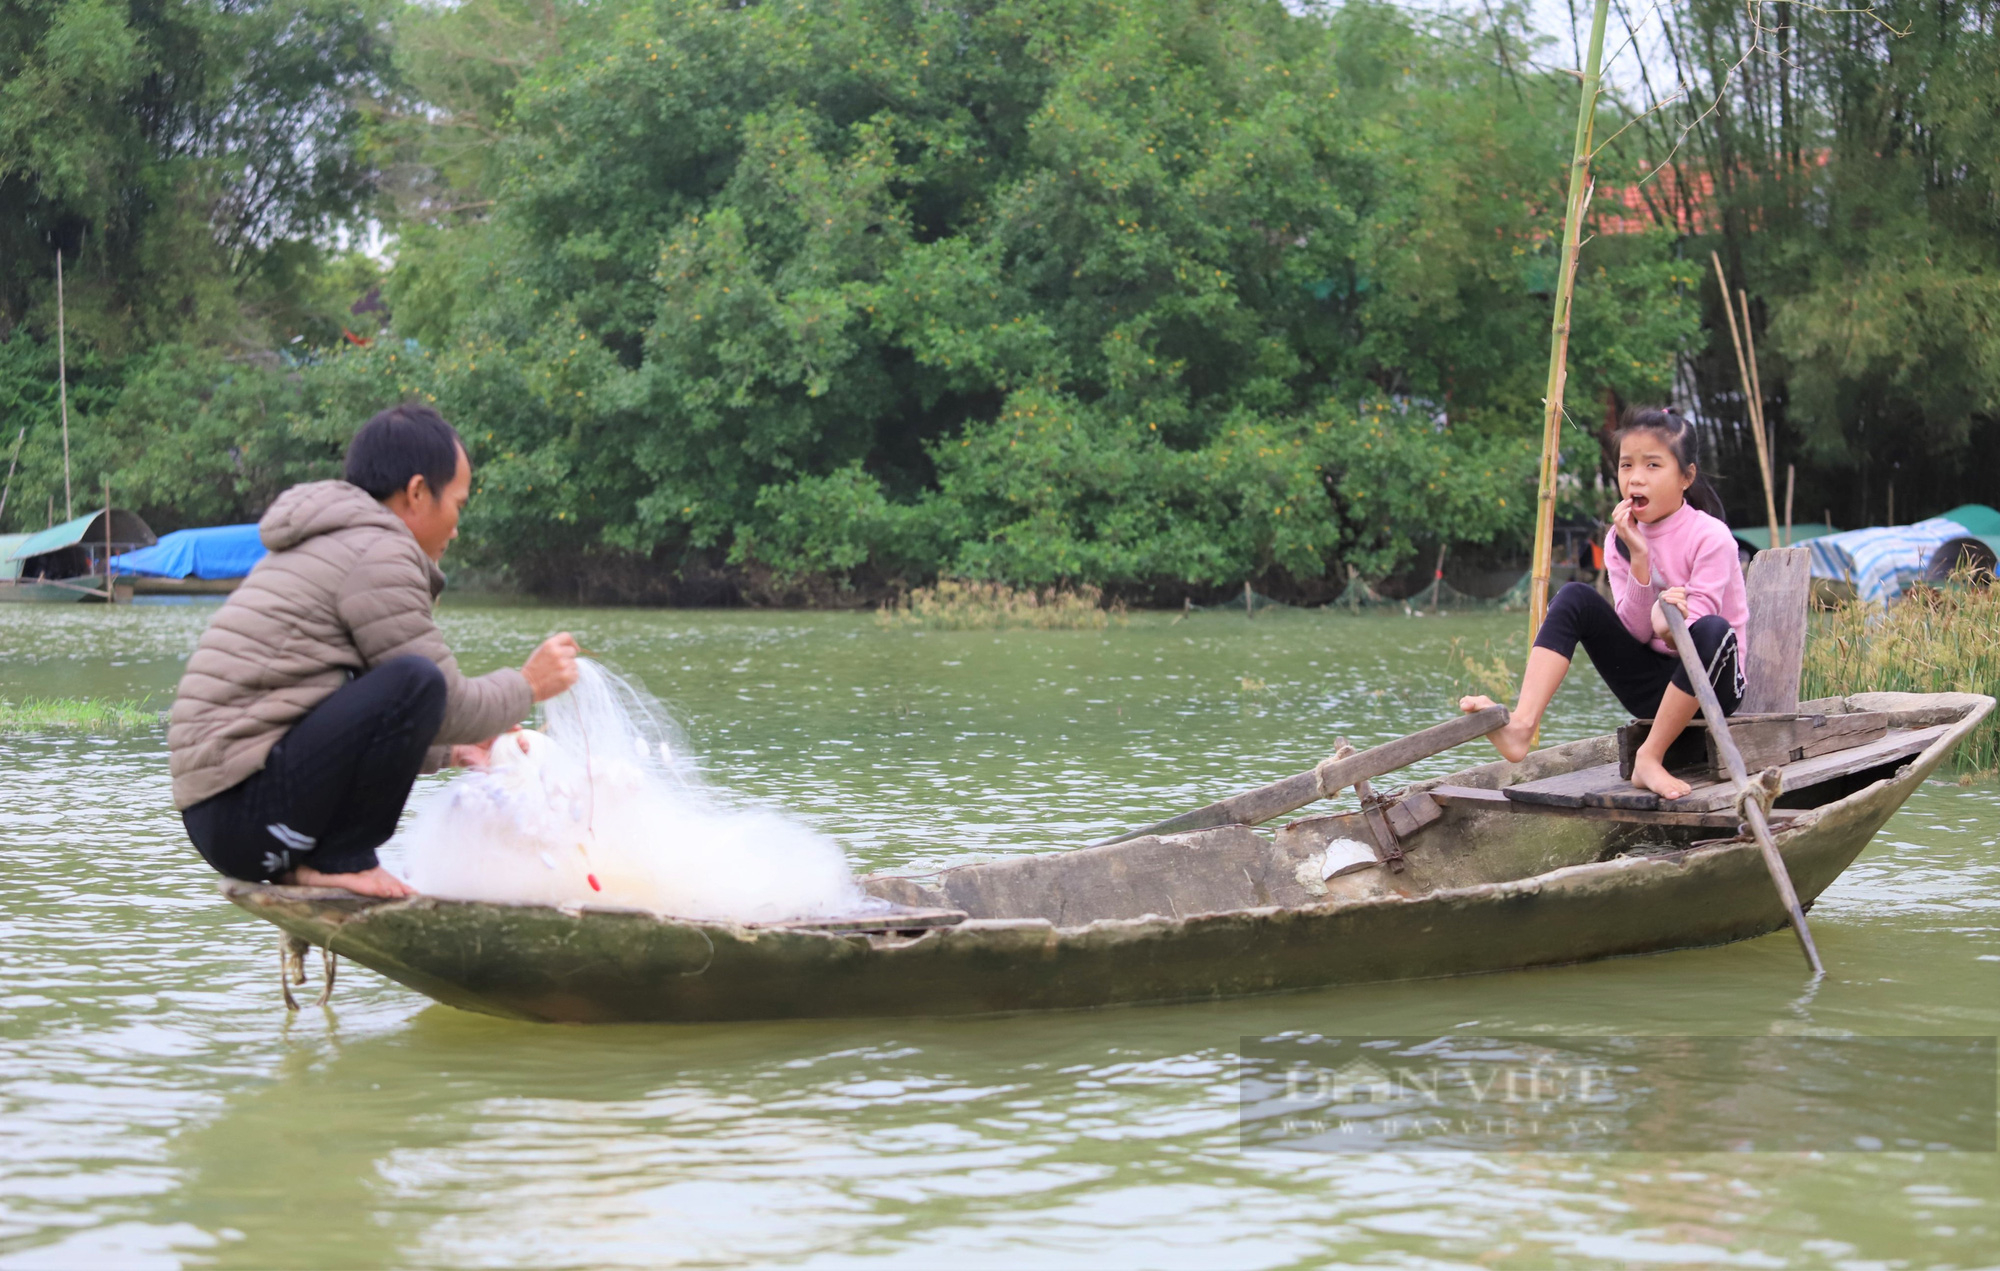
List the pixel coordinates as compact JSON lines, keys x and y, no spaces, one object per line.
{"x":333,"y":787}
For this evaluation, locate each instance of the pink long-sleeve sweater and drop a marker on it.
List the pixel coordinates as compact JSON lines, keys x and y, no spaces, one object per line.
{"x":1687,"y":548}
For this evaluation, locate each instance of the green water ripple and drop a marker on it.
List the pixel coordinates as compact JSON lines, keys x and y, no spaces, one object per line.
{"x":158,"y":1108}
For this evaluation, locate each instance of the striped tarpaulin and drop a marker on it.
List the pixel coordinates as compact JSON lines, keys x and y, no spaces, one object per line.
{"x":1881,"y":562}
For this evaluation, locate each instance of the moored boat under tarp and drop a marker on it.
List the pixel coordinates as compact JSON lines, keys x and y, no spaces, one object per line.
{"x":67,"y":562}
{"x":210,"y":559}
{"x":1474,"y":880}
{"x":1877,"y":565}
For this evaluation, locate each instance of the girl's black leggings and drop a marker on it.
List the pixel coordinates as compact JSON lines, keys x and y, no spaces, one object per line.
{"x":333,"y":787}
{"x":1637,"y":672}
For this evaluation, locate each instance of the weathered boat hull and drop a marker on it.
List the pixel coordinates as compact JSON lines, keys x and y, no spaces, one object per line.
{"x":52,"y":591}
{"x":538,"y":963}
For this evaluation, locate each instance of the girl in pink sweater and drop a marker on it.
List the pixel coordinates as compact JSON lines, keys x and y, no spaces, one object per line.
{"x":1668,"y":546}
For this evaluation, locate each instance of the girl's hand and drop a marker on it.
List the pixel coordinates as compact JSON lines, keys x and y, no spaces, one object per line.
{"x":1626,"y":522}
{"x":1678,"y":598}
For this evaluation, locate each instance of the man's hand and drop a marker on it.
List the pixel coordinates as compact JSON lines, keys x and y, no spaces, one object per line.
{"x":478,"y":754}
{"x":472,"y":754}
{"x":551,"y":669}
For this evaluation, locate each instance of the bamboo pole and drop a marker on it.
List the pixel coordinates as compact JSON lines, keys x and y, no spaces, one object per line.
{"x":8,"y":488}
{"x":1765,"y":439}
{"x":1752,"y":398}
{"x":110,"y":593}
{"x":1552,"y":398}
{"x":1752,"y":811}
{"x":1791,"y":476}
{"x":62,"y":386}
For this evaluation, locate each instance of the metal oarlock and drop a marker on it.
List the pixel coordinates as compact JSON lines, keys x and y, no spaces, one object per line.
{"x":291,"y":966}
{"x":292,"y":969}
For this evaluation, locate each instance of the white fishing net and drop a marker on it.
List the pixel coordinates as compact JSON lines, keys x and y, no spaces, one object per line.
{"x":603,"y":806}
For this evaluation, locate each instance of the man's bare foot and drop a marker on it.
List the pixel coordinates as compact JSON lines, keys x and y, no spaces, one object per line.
{"x":1511,"y":739}
{"x":1649,"y":773}
{"x":369,"y":882}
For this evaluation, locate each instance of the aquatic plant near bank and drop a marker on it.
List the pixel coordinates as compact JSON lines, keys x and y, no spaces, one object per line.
{"x":76,"y":715}
{"x":1935,"y":640}
{"x":958,"y":605}
{"x":1493,"y":677}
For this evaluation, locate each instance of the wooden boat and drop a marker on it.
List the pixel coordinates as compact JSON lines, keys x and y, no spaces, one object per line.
{"x":1502,"y":867}
{"x":130,"y":585}
{"x":67,"y":563}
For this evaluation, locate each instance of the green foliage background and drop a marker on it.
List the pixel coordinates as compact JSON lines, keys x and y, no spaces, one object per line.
{"x":783,"y":299}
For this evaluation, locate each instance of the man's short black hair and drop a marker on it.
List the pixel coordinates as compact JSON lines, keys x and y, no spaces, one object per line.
{"x":403,"y":442}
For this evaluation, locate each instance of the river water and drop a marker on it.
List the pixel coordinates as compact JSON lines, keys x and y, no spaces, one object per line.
{"x":158,"y":1107}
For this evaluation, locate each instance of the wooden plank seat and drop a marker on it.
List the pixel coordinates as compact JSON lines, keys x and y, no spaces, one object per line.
{"x":1497,"y":800}
{"x":1762,"y":740}
{"x":1602,"y":787}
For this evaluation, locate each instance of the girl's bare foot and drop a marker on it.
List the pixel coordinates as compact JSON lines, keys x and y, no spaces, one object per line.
{"x":1649,"y":773}
{"x":1511,"y":739}
{"x":377,"y":882}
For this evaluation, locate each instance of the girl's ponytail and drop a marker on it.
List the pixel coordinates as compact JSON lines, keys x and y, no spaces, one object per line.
{"x":1701,"y":496}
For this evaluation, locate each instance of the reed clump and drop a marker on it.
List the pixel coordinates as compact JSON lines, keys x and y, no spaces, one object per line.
{"x":964,"y":605}
{"x":1934,"y":640}
{"x":1493,"y":677}
{"x":76,"y":715}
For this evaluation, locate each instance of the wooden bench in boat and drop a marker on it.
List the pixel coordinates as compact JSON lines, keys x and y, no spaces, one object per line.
{"x":1602,"y":787}
{"x":1762,"y":740}
{"x":1497,"y":800}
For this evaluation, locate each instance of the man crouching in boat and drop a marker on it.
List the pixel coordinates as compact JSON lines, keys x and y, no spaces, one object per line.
{"x":323,"y":686}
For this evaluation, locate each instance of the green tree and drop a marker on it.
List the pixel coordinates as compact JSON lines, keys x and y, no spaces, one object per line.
{"x":1843,"y":163}
{"x":793,"y":274}
{"x":192,"y":162}
{"x":187,"y":158}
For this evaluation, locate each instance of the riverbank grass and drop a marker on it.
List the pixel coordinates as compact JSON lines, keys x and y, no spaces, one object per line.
{"x":1934,"y":640}
{"x":76,"y":715}
{"x":958,"y":605}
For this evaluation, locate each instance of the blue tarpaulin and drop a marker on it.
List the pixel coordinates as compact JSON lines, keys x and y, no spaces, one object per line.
{"x":219,"y":551}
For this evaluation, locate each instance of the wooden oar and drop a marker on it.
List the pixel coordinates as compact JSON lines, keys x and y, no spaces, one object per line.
{"x":1752,"y":811}
{"x":1330,"y":777}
